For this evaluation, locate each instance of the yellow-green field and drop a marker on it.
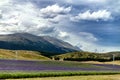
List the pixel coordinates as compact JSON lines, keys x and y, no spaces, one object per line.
{"x":93,"y":77}
{"x":21,"y":55}
{"x":117,"y":62}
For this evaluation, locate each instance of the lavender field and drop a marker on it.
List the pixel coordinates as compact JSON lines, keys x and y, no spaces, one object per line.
{"x":21,"y":65}
{"x":12,"y":69}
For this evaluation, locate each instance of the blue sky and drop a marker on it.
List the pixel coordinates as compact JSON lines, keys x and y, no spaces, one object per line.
{"x":88,"y":24}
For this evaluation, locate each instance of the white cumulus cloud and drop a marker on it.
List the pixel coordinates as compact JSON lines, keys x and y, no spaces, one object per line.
{"x":63,"y":34}
{"x":95,"y":16}
{"x":2,"y":2}
{"x":27,"y":17}
{"x":22,"y":18}
{"x":54,"y":10}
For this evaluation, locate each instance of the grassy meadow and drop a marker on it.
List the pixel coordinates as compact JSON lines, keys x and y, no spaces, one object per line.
{"x":21,"y":55}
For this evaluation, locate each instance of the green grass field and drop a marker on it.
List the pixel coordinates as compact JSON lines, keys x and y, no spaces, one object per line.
{"x":17,"y":75}
{"x":90,"y":77}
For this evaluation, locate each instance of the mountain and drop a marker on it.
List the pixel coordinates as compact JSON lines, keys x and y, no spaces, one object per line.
{"x":26,"y":41}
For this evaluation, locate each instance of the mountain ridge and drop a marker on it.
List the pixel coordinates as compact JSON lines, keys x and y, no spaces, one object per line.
{"x":27,"y":41}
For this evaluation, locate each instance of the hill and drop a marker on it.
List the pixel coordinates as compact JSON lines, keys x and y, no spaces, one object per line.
{"x":26,"y":41}
{"x":115,"y":54}
{"x":88,"y":56}
{"x":21,"y":55}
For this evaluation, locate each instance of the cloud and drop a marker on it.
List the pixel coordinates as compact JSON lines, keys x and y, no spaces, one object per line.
{"x":98,"y":1}
{"x":26,"y":17}
{"x":63,"y":34}
{"x":84,"y":2}
{"x":83,"y":40}
{"x":94,"y":16}
{"x":2,"y":2}
{"x":87,"y":42}
{"x":54,"y":10}
{"x":0,"y":14}
{"x":92,"y":47}
{"x":113,"y":6}
{"x":23,"y":18}
{"x":88,"y":36}
{"x":48,"y":18}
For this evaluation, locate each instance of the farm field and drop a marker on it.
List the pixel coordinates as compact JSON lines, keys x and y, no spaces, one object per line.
{"x":91,"y":77}
{"x":13,"y":69}
{"x":23,"y":65}
{"x":117,"y":62}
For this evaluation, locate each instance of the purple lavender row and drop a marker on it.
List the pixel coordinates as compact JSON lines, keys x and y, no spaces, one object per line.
{"x":21,"y":65}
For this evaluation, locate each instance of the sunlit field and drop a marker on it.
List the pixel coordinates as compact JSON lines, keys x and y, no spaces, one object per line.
{"x":117,"y":62}
{"x":93,"y":77}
